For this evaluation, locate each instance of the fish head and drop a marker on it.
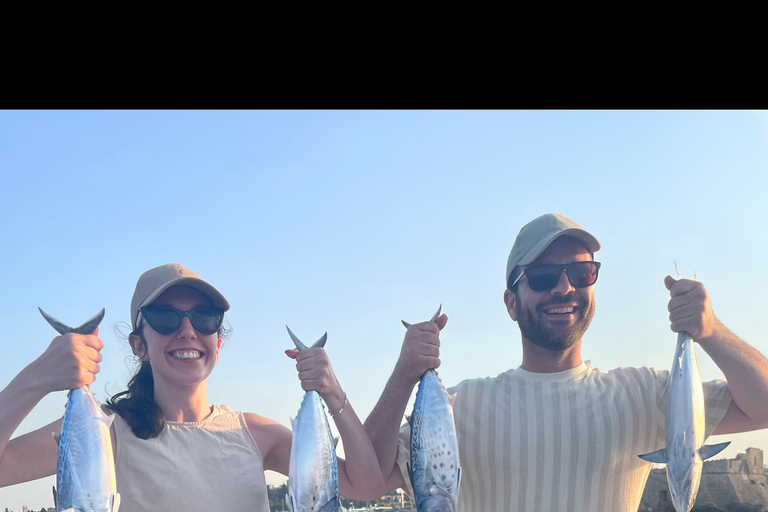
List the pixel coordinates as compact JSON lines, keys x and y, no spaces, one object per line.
{"x":438,"y":501}
{"x":684,"y":482}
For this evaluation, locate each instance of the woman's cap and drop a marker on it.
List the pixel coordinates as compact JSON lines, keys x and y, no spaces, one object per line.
{"x":536,"y":236}
{"x":155,"y":281}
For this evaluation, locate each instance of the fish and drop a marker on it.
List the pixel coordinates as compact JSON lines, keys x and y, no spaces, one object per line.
{"x":684,"y":450}
{"x":85,"y":471}
{"x":434,"y":467}
{"x":313,"y":473}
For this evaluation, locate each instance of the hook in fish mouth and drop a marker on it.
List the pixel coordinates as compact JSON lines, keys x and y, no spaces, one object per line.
{"x":433,"y":319}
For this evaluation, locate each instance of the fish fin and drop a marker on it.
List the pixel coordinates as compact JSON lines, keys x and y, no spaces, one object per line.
{"x":321,"y":342}
{"x":659,"y":456}
{"x":331,"y":506}
{"x":456,"y":487}
{"x":406,"y":324}
{"x":289,"y":500}
{"x":116,"y":502}
{"x":710,"y":450}
{"x":56,"y":437}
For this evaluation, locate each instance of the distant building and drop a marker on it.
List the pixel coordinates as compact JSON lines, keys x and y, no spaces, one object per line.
{"x":725,"y":484}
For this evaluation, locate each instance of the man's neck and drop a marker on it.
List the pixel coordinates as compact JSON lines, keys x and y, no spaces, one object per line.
{"x":541,"y":360}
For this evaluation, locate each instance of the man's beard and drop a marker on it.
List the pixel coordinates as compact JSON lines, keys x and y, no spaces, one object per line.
{"x":550,"y":335}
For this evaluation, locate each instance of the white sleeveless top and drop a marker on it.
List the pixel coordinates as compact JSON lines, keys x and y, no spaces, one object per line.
{"x":213,"y":464}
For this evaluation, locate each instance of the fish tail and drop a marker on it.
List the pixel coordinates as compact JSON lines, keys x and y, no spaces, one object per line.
{"x":87,"y":328}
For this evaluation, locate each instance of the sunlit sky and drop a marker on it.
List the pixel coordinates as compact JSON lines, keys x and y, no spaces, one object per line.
{"x":348,"y":221}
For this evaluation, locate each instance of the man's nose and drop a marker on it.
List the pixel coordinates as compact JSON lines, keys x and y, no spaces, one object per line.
{"x":564,"y":285}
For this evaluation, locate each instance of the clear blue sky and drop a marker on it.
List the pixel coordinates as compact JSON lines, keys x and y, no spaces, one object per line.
{"x":348,"y":221}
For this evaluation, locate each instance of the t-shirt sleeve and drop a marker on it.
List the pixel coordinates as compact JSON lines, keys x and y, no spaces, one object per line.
{"x":717,"y":400}
{"x":404,"y":456}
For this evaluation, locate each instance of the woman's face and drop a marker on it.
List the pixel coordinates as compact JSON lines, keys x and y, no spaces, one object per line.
{"x":185,"y":356}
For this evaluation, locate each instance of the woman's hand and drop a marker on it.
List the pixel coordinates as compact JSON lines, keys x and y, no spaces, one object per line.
{"x":316,"y":374}
{"x":71,"y":361}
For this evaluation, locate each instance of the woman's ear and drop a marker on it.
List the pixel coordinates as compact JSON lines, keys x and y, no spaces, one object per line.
{"x":138,"y":346}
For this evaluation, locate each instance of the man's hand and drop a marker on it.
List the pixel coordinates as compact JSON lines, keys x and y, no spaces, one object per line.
{"x":421,"y":350}
{"x":690,"y":309}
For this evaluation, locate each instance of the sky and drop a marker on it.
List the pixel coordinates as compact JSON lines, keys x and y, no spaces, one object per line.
{"x":346,"y":222}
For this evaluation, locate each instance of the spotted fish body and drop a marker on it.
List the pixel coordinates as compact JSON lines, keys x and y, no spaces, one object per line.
{"x":434,"y":466}
{"x":434,"y":469}
{"x":313,"y":475}
{"x":684,"y":425}
{"x":85,"y":473}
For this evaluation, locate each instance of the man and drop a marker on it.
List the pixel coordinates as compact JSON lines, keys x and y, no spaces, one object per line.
{"x":556,"y":434}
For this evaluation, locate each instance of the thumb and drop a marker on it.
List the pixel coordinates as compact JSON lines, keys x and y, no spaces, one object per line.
{"x":95,"y":332}
{"x":441,"y":321}
{"x":669,"y":281}
{"x":292,"y":353}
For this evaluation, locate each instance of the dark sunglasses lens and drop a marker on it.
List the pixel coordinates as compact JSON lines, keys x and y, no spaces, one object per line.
{"x":206,"y":320}
{"x":543,"y":278}
{"x":582,"y":274}
{"x":164,"y":321}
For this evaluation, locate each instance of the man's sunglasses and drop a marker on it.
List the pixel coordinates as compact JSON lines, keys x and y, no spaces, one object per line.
{"x":167,"y":320}
{"x":542,"y":278}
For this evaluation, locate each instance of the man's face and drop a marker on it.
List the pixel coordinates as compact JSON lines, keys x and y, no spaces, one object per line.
{"x":555,"y":319}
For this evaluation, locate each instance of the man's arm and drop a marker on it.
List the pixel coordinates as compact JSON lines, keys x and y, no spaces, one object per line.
{"x":420,"y":352}
{"x":745,"y":369}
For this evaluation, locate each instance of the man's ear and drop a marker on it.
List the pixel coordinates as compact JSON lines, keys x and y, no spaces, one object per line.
{"x":510,"y":299}
{"x":138,"y":347}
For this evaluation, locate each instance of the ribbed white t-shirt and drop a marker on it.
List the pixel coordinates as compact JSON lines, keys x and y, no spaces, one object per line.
{"x":561,"y":442}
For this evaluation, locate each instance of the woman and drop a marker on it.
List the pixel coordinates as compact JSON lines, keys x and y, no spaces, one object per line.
{"x":174,"y":451}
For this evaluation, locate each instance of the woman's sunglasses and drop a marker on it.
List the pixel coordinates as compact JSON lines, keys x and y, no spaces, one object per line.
{"x":167,"y":320}
{"x":542,"y":278}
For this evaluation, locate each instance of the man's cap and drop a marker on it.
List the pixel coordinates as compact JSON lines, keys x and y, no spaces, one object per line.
{"x":155,"y":281}
{"x":536,"y":236}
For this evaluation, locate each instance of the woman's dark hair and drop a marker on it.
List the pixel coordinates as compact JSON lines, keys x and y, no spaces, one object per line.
{"x":136,"y":405}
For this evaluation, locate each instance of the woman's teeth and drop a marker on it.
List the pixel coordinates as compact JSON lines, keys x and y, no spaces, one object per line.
{"x":186,"y":354}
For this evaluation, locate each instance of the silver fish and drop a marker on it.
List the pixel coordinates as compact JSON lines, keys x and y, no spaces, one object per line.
{"x":313,"y":474}
{"x":434,"y":469}
{"x":685,"y":450}
{"x":85,"y":473}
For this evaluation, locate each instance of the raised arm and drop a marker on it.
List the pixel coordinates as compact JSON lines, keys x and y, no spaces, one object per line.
{"x":420,"y":352}
{"x":359,"y":474}
{"x":69,"y":362}
{"x":745,"y":369}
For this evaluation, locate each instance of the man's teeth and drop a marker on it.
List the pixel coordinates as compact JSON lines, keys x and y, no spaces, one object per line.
{"x":186,"y":354}
{"x":560,"y":310}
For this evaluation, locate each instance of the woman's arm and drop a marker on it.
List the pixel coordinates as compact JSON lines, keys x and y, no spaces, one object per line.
{"x":70,"y":361}
{"x":359,"y":474}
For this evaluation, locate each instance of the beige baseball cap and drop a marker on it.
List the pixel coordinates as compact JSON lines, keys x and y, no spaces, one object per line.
{"x":536,"y":236}
{"x":155,"y":281}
